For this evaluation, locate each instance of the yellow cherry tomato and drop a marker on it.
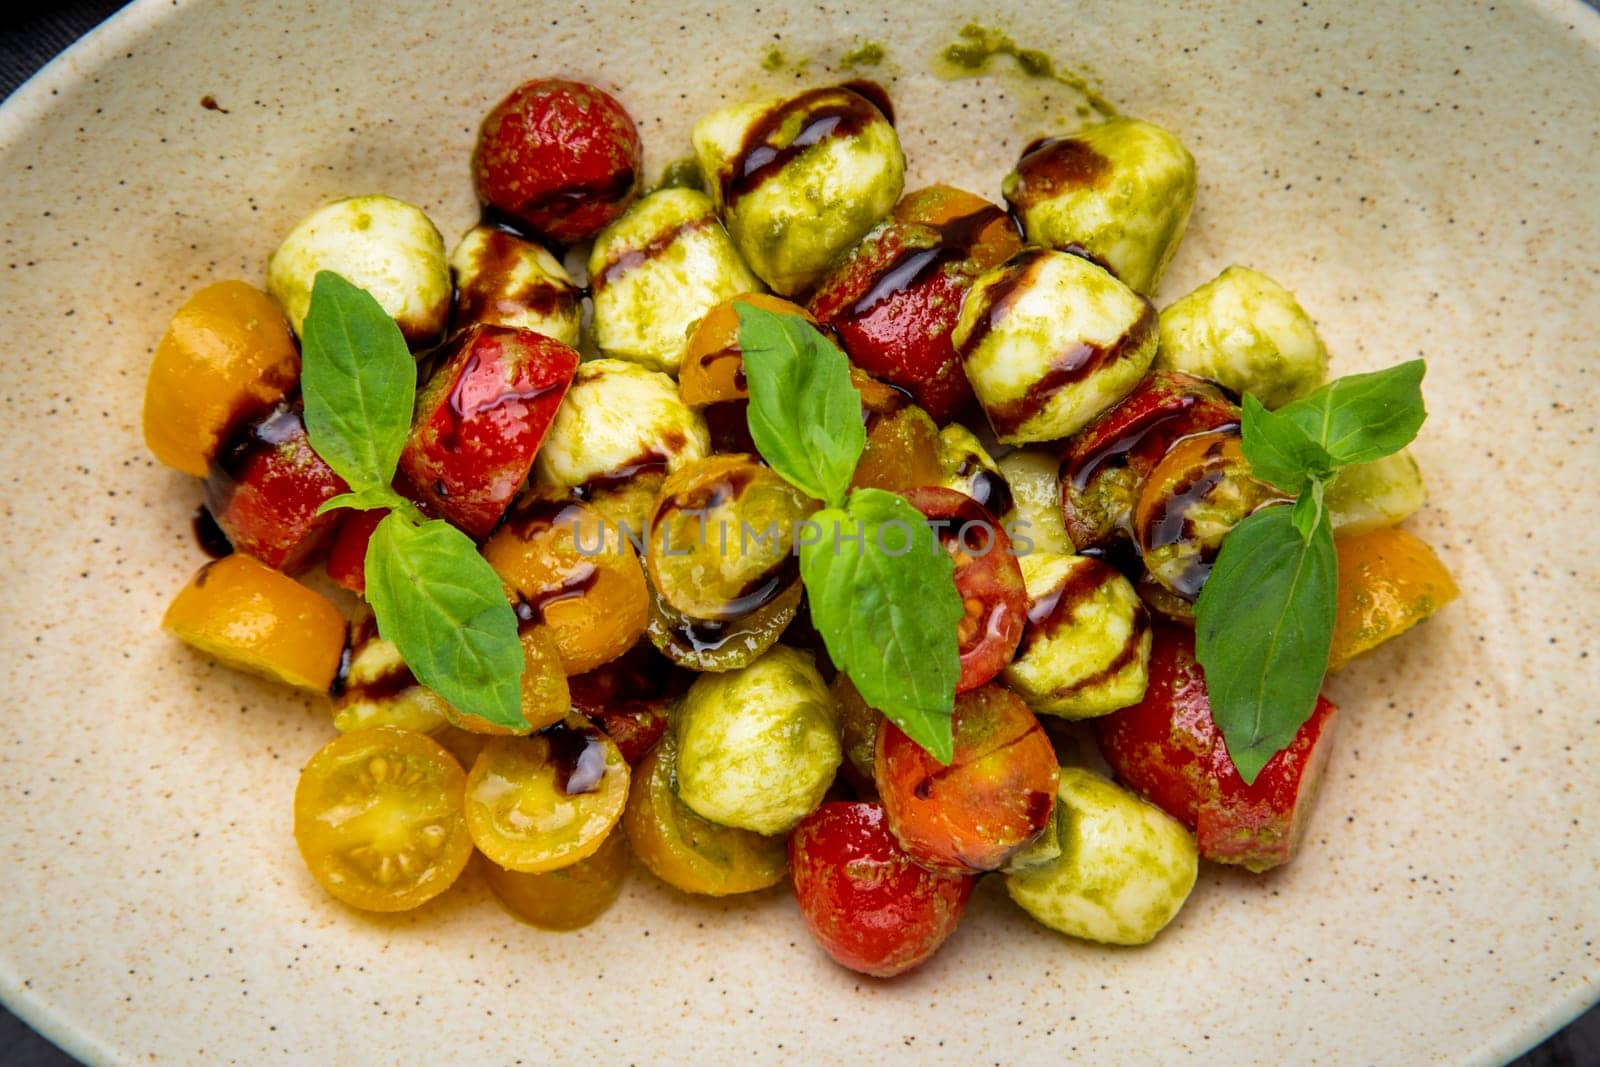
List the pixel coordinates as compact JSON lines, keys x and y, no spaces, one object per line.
{"x":713,"y":365}
{"x":567,"y":898}
{"x":226,"y":357}
{"x":377,"y":816}
{"x":571,"y":572}
{"x":546,"y":801}
{"x":545,"y":696}
{"x":245,"y":614}
{"x":686,"y":850}
{"x":1388,"y":582}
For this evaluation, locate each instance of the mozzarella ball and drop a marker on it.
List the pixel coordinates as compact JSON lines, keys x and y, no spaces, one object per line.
{"x":378,"y":689}
{"x":502,"y":280}
{"x":656,"y":271}
{"x":800,"y":180}
{"x":1049,"y":340}
{"x":1124,"y":870}
{"x":378,"y":243}
{"x":1244,"y":331}
{"x":1086,"y":648}
{"x":1120,"y":190}
{"x":968,"y":468}
{"x":758,"y":747}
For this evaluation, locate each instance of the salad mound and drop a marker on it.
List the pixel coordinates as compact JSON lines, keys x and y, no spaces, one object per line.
{"x":782,"y":523}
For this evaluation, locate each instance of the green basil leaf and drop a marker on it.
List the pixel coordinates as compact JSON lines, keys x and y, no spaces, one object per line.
{"x":1361,"y":417}
{"x":883,"y":597}
{"x":1263,"y":627}
{"x":1279,"y":450}
{"x":1307,"y":514}
{"x":446,"y":611}
{"x":804,"y":414}
{"x":364,"y":500}
{"x":359,"y":383}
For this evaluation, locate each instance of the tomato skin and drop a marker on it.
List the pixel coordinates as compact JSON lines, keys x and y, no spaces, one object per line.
{"x":713,"y":366}
{"x":559,"y":158}
{"x":895,"y":298}
{"x":628,"y":698}
{"x":1168,"y":748}
{"x":865,"y":901}
{"x":1388,"y":582}
{"x":264,"y":489}
{"x":480,"y":420}
{"x":987,"y":577}
{"x":1106,"y":463}
{"x":569,"y":897}
{"x":993,"y":798}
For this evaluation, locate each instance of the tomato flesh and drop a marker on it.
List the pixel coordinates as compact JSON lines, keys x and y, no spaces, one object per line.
{"x":993,"y":798}
{"x":867,"y":903}
{"x":378,"y":819}
{"x":987,"y":577}
{"x":1168,"y":748}
{"x":481,"y":418}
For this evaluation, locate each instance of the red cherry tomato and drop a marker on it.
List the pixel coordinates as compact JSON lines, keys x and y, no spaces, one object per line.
{"x":265,"y":487}
{"x":987,"y":577}
{"x":628,"y":698}
{"x":481,"y":418}
{"x":868,"y":905}
{"x":895,"y":299}
{"x":347,"y":553}
{"x":993,"y":798}
{"x":1168,"y":748}
{"x":559,"y":159}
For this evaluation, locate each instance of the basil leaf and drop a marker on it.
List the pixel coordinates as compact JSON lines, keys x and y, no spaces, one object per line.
{"x":446,"y":611}
{"x":1279,"y":450}
{"x":1307,"y":514}
{"x":359,"y":382}
{"x":884,"y":599}
{"x":364,"y":500}
{"x":1361,"y":417}
{"x":1263,"y":627}
{"x":804,"y":414}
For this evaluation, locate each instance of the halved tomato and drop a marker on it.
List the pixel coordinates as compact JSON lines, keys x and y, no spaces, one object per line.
{"x":567,"y":898}
{"x":995,"y":796}
{"x":546,"y":801}
{"x":628,"y":698}
{"x":987,"y":577}
{"x":378,"y":819}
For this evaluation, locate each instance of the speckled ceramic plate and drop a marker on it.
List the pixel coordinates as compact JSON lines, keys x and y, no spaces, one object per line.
{"x":1427,"y":182}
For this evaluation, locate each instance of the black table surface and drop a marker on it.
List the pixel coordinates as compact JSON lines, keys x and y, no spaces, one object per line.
{"x":31,"y":34}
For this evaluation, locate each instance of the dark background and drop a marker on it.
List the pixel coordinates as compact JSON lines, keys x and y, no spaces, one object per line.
{"x":30,"y":36}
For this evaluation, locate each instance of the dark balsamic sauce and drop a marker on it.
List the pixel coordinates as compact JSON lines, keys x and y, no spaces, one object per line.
{"x":633,"y":258}
{"x":531,"y":607}
{"x":578,"y":756}
{"x":213,"y":542}
{"x":824,"y":114}
{"x":876,"y":94}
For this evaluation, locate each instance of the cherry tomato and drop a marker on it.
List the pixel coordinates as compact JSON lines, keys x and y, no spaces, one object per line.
{"x":713,"y":366}
{"x":987,"y":577}
{"x":1168,"y":748}
{"x":567,"y":898}
{"x":546,"y":801}
{"x":249,"y":616}
{"x":545,"y":696}
{"x":895,"y":298}
{"x":686,"y":850}
{"x":560,"y":159}
{"x":1388,"y":582}
{"x":1106,"y":463}
{"x":265,"y":486}
{"x":226,"y":359}
{"x":570,"y":571}
{"x":866,"y":902}
{"x":992,"y":800}
{"x":718,"y":644}
{"x":859,"y":724}
{"x":902,"y":451}
{"x":347,"y":552}
{"x":480,"y":420}
{"x":628,"y":698}
{"x":1201,"y":489}
{"x":722,"y":537}
{"x":377,"y":816}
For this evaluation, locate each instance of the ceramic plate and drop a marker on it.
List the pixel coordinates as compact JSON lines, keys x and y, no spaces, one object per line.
{"x":1425,"y":181}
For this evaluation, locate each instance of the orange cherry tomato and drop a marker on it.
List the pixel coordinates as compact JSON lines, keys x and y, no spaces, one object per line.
{"x":377,"y":816}
{"x":686,"y":850}
{"x":994,"y":797}
{"x":567,"y":898}
{"x":545,"y":696}
{"x":571,"y":572}
{"x":713,"y":367}
{"x":546,"y":801}
{"x":902,"y":451}
{"x":939,"y":205}
{"x":226,"y":359}
{"x":242,"y":612}
{"x":1388,"y":582}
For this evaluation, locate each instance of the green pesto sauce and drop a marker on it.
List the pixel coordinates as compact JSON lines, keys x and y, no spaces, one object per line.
{"x":974,"y":51}
{"x":772,"y":58}
{"x":866,"y":54}
{"x":682,"y":174}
